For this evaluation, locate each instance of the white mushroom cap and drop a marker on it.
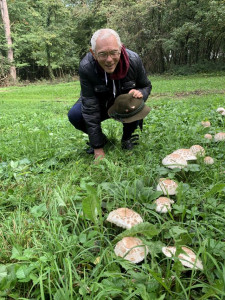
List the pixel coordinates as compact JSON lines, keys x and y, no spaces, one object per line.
{"x":223,"y":113}
{"x":163,"y":204}
{"x":188,"y":259}
{"x":186,"y":154}
{"x":173,"y":161}
{"x":208,"y":160}
{"x":167,"y":186}
{"x":206,"y":123}
{"x":197,"y":150}
{"x":208,"y":136}
{"x":124,"y":217}
{"x":132,"y":249}
{"x":219,"y":137}
{"x":220,"y":110}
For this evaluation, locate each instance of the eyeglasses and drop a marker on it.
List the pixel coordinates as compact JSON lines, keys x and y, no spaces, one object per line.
{"x":112,"y":54}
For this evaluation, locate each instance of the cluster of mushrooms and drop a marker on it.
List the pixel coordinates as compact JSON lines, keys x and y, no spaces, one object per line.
{"x":179,"y":158}
{"x":220,"y":136}
{"x":132,"y":248}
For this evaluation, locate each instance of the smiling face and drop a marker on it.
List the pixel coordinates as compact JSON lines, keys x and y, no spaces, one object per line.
{"x":107,"y":53}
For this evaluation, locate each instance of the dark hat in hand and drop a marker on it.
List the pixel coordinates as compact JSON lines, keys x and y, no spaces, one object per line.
{"x":127,"y":109}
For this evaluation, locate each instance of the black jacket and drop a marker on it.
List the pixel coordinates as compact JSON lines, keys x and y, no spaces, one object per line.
{"x":97,"y":92}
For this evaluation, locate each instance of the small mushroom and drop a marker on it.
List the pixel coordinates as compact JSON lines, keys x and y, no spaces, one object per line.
{"x":163,"y":204}
{"x":124,"y":217}
{"x":188,"y":259}
{"x":167,"y":186}
{"x":208,"y":136}
{"x":219,"y":137}
{"x":173,"y":161}
{"x":197,"y":150}
{"x":208,"y":160}
{"x":132,"y":249}
{"x":186,"y":154}
{"x":206,"y":123}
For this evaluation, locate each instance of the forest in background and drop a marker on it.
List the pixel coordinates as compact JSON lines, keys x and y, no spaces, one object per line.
{"x":49,"y":37}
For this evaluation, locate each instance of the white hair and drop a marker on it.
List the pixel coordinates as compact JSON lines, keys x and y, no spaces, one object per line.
{"x":104,"y":33}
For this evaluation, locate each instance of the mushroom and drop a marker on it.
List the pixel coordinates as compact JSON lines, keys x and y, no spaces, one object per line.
{"x":219,"y":137}
{"x":208,"y":136}
{"x":221,"y":110}
{"x":124,"y":217}
{"x":167,"y":186}
{"x":132,"y":249}
{"x":208,"y":160}
{"x":163,"y":204}
{"x":186,"y":154}
{"x":173,"y":161}
{"x":197,"y":150}
{"x":205,"y":123}
{"x":188,"y":259}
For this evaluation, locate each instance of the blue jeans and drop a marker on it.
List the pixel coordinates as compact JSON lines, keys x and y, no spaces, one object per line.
{"x":76,"y":119}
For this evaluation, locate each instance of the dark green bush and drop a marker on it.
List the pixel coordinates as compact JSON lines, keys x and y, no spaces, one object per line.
{"x":4,"y":69}
{"x":201,"y":67}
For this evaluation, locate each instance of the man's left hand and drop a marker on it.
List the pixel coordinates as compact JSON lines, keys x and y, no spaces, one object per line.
{"x":136,"y":93}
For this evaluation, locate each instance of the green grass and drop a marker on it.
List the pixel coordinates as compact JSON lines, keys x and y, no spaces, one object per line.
{"x":50,"y":235}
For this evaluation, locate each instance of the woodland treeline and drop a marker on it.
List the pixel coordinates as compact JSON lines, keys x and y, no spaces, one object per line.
{"x":49,"y":37}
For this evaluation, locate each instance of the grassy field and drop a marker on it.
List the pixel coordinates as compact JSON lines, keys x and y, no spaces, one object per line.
{"x":55,"y":241}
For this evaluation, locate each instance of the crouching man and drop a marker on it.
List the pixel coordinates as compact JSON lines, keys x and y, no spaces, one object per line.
{"x":106,"y":72}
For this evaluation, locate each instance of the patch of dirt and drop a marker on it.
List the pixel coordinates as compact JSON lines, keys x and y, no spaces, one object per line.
{"x":199,"y":93}
{"x":4,"y":90}
{"x":187,"y":94}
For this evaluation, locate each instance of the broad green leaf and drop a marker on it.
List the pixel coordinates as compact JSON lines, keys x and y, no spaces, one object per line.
{"x":61,"y":294}
{"x":3,"y":272}
{"x":219,"y":187}
{"x":89,"y":208}
{"x":146,"y":229}
{"x":159,"y":279}
{"x":59,"y":199}
{"x":16,"y":253}
{"x":92,"y":192}
{"x":39,"y":210}
{"x":82,"y":238}
{"x":23,"y":272}
{"x":217,"y":288}
{"x":91,"y":204}
{"x":176,"y":231}
{"x":26,"y":255}
{"x":14,"y":164}
{"x":24,"y":161}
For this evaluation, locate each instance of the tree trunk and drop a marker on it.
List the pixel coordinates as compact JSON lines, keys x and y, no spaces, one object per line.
{"x":6,"y":22}
{"x":50,"y":71}
{"x":48,"y":52}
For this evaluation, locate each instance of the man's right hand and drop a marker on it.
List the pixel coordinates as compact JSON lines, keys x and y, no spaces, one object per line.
{"x":99,"y":154}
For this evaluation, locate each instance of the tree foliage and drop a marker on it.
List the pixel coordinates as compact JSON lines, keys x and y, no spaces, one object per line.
{"x":172,"y":32}
{"x":51,"y":36}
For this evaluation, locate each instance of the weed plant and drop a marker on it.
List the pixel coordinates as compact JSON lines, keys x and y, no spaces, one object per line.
{"x":55,"y":241}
